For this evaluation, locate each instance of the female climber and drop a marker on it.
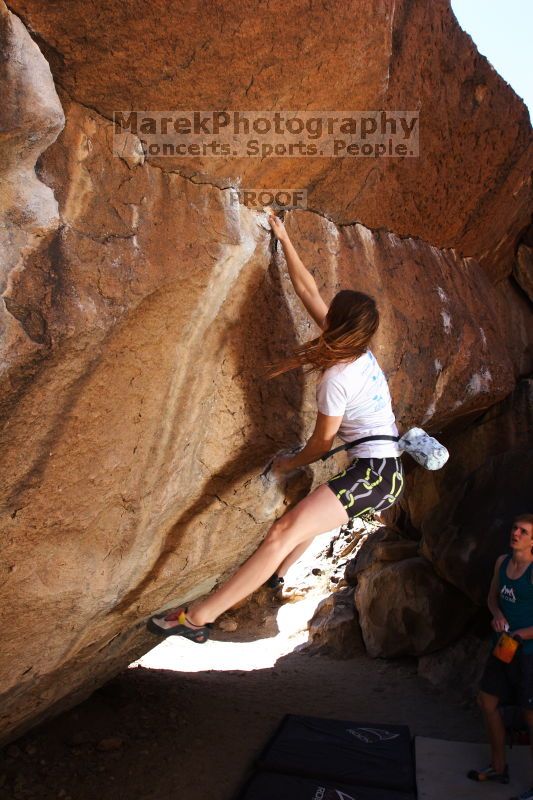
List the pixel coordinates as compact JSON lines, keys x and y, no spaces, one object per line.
{"x":353,"y":401}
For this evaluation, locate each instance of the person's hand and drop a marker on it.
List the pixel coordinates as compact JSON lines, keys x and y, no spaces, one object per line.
{"x":278,"y":228}
{"x":281,"y":465}
{"x":499,"y":623}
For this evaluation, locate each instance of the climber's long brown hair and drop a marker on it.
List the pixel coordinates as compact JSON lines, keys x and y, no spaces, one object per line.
{"x":351,"y":321}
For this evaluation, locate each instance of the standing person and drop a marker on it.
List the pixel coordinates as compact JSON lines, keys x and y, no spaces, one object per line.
{"x":510,"y":602}
{"x":353,"y":401}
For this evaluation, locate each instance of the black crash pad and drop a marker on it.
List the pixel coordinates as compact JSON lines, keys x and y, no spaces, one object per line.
{"x":274,"y":786}
{"x":352,"y":753}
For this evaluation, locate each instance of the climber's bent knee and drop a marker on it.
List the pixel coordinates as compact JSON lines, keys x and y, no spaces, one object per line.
{"x":279,"y":543}
{"x":280,"y":534}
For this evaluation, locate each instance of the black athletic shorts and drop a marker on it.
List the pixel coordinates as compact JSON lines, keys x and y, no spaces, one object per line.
{"x":511,"y":683}
{"x":368,"y":485}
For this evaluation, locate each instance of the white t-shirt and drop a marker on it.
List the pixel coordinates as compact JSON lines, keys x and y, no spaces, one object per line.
{"x":358,"y":390}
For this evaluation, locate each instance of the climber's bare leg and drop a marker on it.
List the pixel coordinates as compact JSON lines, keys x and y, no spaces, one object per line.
{"x":320,"y":511}
{"x":293,"y":557}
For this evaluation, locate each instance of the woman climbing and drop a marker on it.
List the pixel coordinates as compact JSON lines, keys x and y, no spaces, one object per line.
{"x":353,"y":401}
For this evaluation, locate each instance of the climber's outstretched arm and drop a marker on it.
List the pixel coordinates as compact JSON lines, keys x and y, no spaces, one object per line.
{"x":302,"y":280}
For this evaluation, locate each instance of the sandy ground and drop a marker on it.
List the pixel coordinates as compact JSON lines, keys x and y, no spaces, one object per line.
{"x":186,"y":721}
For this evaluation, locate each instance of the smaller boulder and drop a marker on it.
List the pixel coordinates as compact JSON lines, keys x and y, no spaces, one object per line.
{"x":406,"y":609}
{"x":334,"y":629}
{"x":396,"y":551}
{"x":366,"y":550}
{"x":385,"y":544}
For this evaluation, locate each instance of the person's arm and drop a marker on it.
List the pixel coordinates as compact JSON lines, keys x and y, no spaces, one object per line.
{"x":523,"y":633}
{"x":331,"y":399}
{"x":498,"y":622}
{"x":319,"y":442}
{"x":302,"y":280}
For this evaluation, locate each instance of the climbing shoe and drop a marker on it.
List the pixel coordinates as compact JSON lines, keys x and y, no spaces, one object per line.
{"x":275,"y":582}
{"x":489,"y":774}
{"x":158,"y":624}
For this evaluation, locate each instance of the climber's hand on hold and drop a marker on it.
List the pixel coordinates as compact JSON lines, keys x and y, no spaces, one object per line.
{"x":282,"y":465}
{"x":278,"y":228}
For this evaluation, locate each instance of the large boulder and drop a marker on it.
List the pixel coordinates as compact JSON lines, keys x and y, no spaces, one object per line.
{"x":334,"y":628}
{"x":140,"y":303}
{"x":406,"y":609}
{"x":469,"y":188}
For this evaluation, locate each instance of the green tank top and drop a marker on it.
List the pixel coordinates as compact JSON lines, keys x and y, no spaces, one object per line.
{"x":515,"y":600}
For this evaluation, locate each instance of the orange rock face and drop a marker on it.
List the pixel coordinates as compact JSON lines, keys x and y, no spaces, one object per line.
{"x":470,"y":188}
{"x":140,"y":302}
